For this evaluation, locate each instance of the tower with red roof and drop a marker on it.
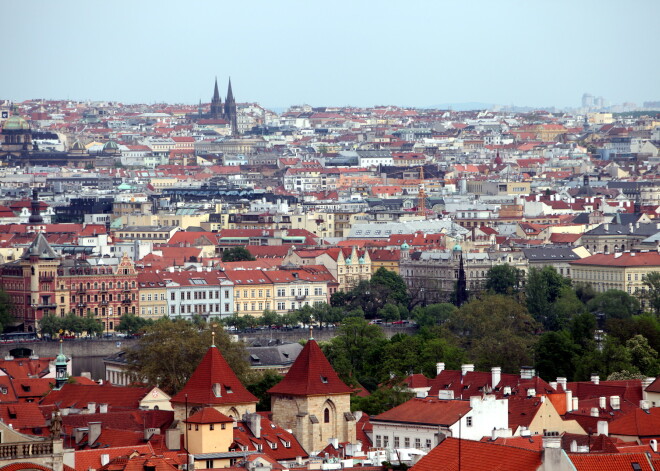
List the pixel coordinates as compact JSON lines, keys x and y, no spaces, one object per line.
{"x":312,"y":401}
{"x":213,"y":384}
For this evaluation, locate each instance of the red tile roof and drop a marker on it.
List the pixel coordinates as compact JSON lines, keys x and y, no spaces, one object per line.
{"x":626,"y":259}
{"x":311,"y":374}
{"x":477,"y":456}
{"x":275,"y":442}
{"x":638,"y":423}
{"x":609,"y":462}
{"x":208,"y":415}
{"x":24,"y":416}
{"x":91,"y":459}
{"x":427,"y":410}
{"x":212,"y":370}
{"x":79,"y":395}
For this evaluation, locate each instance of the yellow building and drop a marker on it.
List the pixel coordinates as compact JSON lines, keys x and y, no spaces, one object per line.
{"x":623,"y":271}
{"x":385,"y":258}
{"x":152,"y":294}
{"x":253,"y":291}
{"x":209,"y":433}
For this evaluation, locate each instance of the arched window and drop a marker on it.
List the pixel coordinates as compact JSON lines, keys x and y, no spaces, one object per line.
{"x":326,"y":416}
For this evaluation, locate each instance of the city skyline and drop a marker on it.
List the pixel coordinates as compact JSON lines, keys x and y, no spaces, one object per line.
{"x":349,"y":55}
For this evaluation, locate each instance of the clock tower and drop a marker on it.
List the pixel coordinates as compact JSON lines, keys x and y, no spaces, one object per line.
{"x":61,"y":375}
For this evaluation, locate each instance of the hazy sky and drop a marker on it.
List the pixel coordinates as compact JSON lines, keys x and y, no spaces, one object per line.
{"x":278,"y":53}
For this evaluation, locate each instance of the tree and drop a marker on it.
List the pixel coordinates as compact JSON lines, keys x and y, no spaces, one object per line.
{"x":543,"y":288}
{"x":652,"y":293}
{"x":50,"y":325}
{"x":270,"y":318}
{"x":237,"y":254}
{"x":585,"y":292}
{"x":389,"y":313}
{"x":613,"y":357}
{"x":433,"y":314}
{"x":261,"y":382}
{"x":381,"y":400}
{"x":131,"y":324}
{"x":565,"y":308}
{"x":555,"y":355}
{"x":614,"y":304}
{"x":92,"y":325}
{"x":170,"y":351}
{"x":74,"y":324}
{"x":496,"y":331}
{"x":6,"y":317}
{"x":642,"y":356}
{"x":503,"y":279}
{"x":395,"y":284}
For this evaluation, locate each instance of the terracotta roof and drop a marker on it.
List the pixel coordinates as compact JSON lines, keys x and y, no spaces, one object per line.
{"x":22,"y":416}
{"x":79,"y":395}
{"x":626,"y":259}
{"x":477,"y":456}
{"x":208,"y":415}
{"x":638,"y":423}
{"x":214,"y":370}
{"x":91,"y":459}
{"x":311,"y":374}
{"x":275,"y":441}
{"x":610,"y":462}
{"x":427,"y":410}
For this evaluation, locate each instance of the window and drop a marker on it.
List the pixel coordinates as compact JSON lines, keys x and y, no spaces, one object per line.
{"x":468,"y":421}
{"x":326,"y":416}
{"x":428,"y":443}
{"x":418,"y":443}
{"x":386,"y":441}
{"x":209,"y":463}
{"x":378,"y":441}
{"x":211,"y":426}
{"x":396,"y":442}
{"x":406,"y":442}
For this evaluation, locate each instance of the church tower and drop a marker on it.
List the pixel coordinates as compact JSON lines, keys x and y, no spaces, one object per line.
{"x":312,"y":401}
{"x":213,"y":384}
{"x":216,"y":103}
{"x":230,"y":110}
{"x":61,"y":374}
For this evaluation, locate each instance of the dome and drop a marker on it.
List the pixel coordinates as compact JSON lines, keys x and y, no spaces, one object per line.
{"x":361,"y":260}
{"x":61,"y":359}
{"x":457,"y":248}
{"x":110,"y":145}
{"x":405,"y":246}
{"x":78,"y":146}
{"x":348,"y":261}
{"x":16,"y":123}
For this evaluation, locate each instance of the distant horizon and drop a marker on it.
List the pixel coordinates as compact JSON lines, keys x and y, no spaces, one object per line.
{"x":424,"y":52}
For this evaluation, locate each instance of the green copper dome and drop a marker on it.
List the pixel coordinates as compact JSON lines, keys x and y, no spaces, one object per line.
{"x":16,"y":123}
{"x":457,"y":248}
{"x":61,"y":359}
{"x":405,"y":246}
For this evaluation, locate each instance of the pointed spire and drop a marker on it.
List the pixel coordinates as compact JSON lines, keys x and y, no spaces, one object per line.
{"x":216,"y":93}
{"x":230,"y":93}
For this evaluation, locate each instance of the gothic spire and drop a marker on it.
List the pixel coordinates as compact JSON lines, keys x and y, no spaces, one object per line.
{"x":216,"y":93}
{"x":230,"y":94}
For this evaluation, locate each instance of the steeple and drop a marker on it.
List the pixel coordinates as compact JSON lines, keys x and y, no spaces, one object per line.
{"x":35,"y":217}
{"x":230,"y":94}
{"x":61,"y":375}
{"x":230,"y":110}
{"x":216,"y":103}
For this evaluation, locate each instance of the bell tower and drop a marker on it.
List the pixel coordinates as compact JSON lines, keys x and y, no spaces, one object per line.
{"x":61,"y":374}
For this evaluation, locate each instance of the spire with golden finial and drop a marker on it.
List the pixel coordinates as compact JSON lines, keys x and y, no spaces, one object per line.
{"x":213,"y":335}
{"x":311,"y":336}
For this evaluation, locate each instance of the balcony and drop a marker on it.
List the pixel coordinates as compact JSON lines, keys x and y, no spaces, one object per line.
{"x":82,"y":304}
{"x":81,"y":291}
{"x":104,"y":302}
{"x":45,"y":279}
{"x":301,"y":297}
{"x":126,"y":301}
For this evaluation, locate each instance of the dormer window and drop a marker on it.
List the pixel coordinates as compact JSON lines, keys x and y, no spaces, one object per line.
{"x":324,"y":379}
{"x":217,"y":391}
{"x":228,"y":389}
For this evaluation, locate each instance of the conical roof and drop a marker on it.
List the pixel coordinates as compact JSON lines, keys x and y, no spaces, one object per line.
{"x":214,"y":382}
{"x":311,"y":374}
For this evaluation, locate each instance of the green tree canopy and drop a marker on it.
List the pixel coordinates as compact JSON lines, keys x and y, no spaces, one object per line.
{"x":614,"y":304}
{"x":131,"y":324}
{"x":381,"y":400}
{"x":237,"y":254}
{"x":544,"y":287}
{"x":170,"y":351}
{"x":555,"y":355}
{"x":433,"y":314}
{"x":6,"y":317}
{"x":503,"y":279}
{"x":652,"y":292}
{"x":260,"y":382}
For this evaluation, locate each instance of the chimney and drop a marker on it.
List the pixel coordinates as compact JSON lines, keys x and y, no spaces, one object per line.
{"x":253,"y":421}
{"x":561,"y":381}
{"x":78,"y":434}
{"x":91,"y":408}
{"x":103,"y":408}
{"x":574,"y":447}
{"x":173,"y":439}
{"x":603,"y":428}
{"x":105,"y":459}
{"x":646,"y":382}
{"x":526,"y":372}
{"x":507,"y":390}
{"x":150,"y":432}
{"x":576,"y":403}
{"x":446,"y":394}
{"x":594,"y":412}
{"x":654,"y":445}
{"x":644,"y":405}
{"x":334,"y":442}
{"x":94,"y":432}
{"x":531,"y":392}
{"x":439,"y":368}
{"x":553,"y":385}
{"x":602,"y":402}
{"x":569,"y":400}
{"x":615,"y":402}
{"x":495,"y":376}
{"x":466,"y":369}
{"x":595,"y":378}
{"x":551,"y":439}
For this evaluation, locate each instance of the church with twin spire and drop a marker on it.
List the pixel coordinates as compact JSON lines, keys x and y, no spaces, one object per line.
{"x":220,"y":111}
